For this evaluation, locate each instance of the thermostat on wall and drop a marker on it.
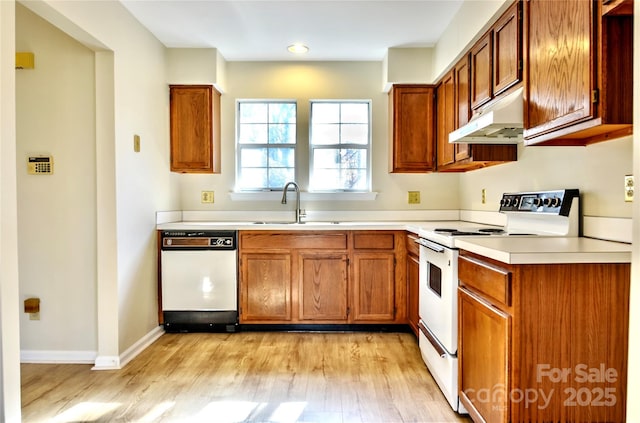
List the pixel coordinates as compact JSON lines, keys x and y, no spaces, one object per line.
{"x":40,"y":165}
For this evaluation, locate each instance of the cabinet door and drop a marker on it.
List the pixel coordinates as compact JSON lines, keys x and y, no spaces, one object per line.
{"x":265,"y":287}
{"x":481,"y":72}
{"x":412,"y":128}
{"x":374,"y":286}
{"x":484,"y":335}
{"x":192,"y":129}
{"x":507,"y":50}
{"x":462,"y":104}
{"x":413,"y":283}
{"x":323,"y":286}
{"x":560,"y":64}
{"x":446,"y":114}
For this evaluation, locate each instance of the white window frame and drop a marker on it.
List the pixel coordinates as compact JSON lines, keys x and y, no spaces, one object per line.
{"x":367,"y":147}
{"x":240,"y":147}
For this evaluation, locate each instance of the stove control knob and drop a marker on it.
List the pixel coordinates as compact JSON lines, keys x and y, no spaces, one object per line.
{"x":551,"y":202}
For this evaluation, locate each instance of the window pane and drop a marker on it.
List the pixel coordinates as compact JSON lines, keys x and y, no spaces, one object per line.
{"x":326,"y":159}
{"x":353,"y":158}
{"x":280,"y":176}
{"x":253,"y":112}
{"x":282,"y":133}
{"x":253,"y":178}
{"x":281,"y":157}
{"x":252,"y":134}
{"x":326,"y":179}
{"x":323,"y":134}
{"x":325,"y":112}
{"x":355,"y":113}
{"x":253,"y":157}
{"x":282,"y":113}
{"x":355,"y":134}
{"x":354,"y":179}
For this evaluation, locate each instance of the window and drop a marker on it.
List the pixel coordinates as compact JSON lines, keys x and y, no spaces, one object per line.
{"x":339,"y":145}
{"x":266,"y":144}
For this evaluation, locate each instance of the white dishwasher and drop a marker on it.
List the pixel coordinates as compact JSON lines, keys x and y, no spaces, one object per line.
{"x":199,"y":278}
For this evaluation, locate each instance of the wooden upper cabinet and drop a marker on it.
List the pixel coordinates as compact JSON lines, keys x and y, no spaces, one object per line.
{"x":496,"y":58}
{"x":462,"y":103}
{"x":412,"y":127}
{"x":445,"y":152}
{"x":507,"y":50}
{"x":195,"y":129}
{"x":453,"y":111}
{"x":481,"y":71}
{"x":578,"y":73}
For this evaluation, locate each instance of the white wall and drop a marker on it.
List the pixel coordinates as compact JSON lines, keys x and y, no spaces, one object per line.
{"x":315,"y":80}
{"x":131,"y":98}
{"x":55,"y":110}
{"x":9,"y":327}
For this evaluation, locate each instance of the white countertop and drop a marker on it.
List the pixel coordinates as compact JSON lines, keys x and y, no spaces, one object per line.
{"x":547,"y":250}
{"x":306,"y":226}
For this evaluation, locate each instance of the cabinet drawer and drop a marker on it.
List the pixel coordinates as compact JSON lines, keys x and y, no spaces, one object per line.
{"x":412,"y":246}
{"x":373,"y":241}
{"x":276,"y":240}
{"x":485,"y":278}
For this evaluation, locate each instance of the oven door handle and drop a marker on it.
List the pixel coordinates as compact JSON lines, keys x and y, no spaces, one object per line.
{"x":440,"y":349}
{"x":430,"y":245}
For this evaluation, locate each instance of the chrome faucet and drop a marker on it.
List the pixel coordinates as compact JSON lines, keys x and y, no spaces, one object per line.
{"x":299,"y":213}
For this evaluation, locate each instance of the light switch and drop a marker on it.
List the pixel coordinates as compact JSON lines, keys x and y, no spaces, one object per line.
{"x":136,"y":143}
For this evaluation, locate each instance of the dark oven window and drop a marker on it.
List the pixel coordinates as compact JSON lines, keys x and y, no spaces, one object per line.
{"x":435,"y":279}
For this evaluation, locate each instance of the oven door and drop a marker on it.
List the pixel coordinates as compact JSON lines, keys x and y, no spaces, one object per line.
{"x":438,"y":303}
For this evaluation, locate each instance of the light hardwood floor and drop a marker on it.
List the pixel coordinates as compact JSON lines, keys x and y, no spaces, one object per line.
{"x":246,"y":376}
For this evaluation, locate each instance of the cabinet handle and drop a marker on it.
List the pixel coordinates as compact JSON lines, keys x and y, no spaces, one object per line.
{"x":430,"y":245}
{"x":442,"y":352}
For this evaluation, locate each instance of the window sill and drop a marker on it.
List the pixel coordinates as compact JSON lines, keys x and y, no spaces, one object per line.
{"x":304,"y":196}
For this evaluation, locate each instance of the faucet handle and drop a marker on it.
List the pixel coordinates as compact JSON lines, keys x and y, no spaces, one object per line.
{"x":303,"y":213}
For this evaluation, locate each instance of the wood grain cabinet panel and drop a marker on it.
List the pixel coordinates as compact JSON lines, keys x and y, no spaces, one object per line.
{"x":194,"y":129}
{"x":445,"y":94}
{"x":265,"y":293}
{"x":413,"y":283}
{"x":507,"y":50}
{"x":323,"y":286}
{"x":412,"y":127}
{"x":570,"y":318}
{"x":485,"y":338}
{"x":481,"y":71}
{"x":374,"y":286}
{"x":578,"y":73}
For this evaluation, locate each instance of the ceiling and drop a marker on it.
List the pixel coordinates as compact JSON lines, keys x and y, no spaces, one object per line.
{"x":244,"y":30}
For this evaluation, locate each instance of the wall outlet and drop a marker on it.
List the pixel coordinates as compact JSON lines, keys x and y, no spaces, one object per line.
{"x":629,"y":187}
{"x":484,"y":196}
{"x":206,"y":197}
{"x":136,"y":143}
{"x":414,"y":197}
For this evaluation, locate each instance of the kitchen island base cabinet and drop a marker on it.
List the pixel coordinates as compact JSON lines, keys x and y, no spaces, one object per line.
{"x":558,"y":332}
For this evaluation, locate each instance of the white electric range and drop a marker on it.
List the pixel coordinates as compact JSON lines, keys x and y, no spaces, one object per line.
{"x":529,"y":214}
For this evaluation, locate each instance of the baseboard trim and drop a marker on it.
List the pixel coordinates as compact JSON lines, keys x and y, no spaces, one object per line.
{"x":133,"y":351}
{"x":54,"y":357}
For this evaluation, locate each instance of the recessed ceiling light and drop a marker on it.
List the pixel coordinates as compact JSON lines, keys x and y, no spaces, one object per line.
{"x":298,"y":48}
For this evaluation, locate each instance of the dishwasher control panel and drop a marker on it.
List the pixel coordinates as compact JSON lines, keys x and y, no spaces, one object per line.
{"x":199,"y":240}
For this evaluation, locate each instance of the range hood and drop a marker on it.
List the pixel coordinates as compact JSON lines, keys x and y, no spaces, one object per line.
{"x":498,"y":123}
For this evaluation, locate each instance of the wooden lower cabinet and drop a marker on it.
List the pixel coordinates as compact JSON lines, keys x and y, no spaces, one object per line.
{"x":323,"y":277}
{"x":413,"y":282}
{"x":266,"y":286}
{"x":486,"y":333}
{"x":543,"y":342}
{"x":323,"y":285}
{"x":374,"y":286}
